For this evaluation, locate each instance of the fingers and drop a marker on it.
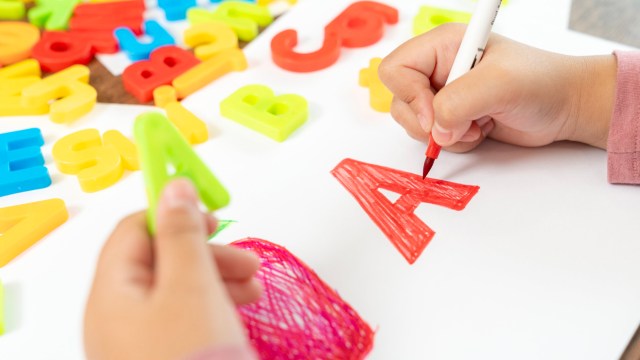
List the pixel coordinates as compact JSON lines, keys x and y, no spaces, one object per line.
{"x":419,"y":64}
{"x":475,"y":95}
{"x":403,"y":114}
{"x":237,"y":268}
{"x":244,"y":292}
{"x":127,"y":257}
{"x":408,"y":86}
{"x":211,"y":223}
{"x":420,"y":67}
{"x":181,"y":250}
{"x":233,"y":263}
{"x":478,"y":131}
{"x":185,"y":261}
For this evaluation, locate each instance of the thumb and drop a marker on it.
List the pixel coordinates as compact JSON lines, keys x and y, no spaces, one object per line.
{"x":468,"y":98}
{"x":181,"y":254}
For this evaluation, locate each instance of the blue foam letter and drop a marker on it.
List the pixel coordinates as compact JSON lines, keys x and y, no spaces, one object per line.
{"x":137,"y":50}
{"x":21,"y":162}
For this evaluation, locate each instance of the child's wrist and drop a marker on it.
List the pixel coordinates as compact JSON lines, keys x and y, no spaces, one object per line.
{"x":594,"y":96}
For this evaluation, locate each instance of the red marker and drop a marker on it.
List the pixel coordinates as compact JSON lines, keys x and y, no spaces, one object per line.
{"x":470,"y":51}
{"x":433,"y":150}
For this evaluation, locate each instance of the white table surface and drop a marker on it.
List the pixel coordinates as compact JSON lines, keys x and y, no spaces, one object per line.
{"x":542,"y":264}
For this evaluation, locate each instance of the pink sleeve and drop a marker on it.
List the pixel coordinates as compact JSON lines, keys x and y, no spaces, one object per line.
{"x":231,"y":352}
{"x":624,"y":135}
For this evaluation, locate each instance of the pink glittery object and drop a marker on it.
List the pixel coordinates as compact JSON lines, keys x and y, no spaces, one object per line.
{"x":299,"y":316}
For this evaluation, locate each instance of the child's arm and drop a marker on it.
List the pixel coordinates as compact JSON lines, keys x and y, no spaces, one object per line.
{"x":168,"y":297}
{"x":516,"y":94}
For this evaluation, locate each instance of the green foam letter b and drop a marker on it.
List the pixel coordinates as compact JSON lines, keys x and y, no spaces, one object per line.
{"x":256,"y":107}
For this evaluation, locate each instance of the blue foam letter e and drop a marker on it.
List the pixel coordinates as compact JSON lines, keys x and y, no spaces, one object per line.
{"x":21,"y":162}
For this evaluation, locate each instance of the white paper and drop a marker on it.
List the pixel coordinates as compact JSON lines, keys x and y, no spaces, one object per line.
{"x":542,"y":264}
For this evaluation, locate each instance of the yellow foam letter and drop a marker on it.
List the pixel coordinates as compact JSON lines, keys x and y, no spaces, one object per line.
{"x":71,"y":86}
{"x":190,"y":126}
{"x":210,"y":38}
{"x":13,"y":79}
{"x":207,"y":71}
{"x":379,"y":96}
{"x":23,"y":225}
{"x":98,"y":165}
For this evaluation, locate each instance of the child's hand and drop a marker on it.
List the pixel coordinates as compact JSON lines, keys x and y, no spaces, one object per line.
{"x":167,"y":297}
{"x":516,"y":94}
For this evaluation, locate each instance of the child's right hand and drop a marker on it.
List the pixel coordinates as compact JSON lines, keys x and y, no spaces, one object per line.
{"x":516,"y":94}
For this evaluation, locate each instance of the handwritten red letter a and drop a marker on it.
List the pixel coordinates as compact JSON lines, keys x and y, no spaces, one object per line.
{"x":398,"y":222}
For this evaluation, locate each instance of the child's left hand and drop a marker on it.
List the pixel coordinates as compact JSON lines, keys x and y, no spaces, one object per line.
{"x":167,"y":297}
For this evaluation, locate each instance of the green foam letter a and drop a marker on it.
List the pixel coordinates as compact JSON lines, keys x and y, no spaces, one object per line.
{"x":164,"y":155}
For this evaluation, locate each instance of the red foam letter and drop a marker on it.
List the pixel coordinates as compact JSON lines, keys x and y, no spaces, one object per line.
{"x":95,"y":22}
{"x":284,"y":55}
{"x":396,"y":220}
{"x":57,"y":50}
{"x":164,"y":65}
{"x":362,"y":23}
{"x":108,"y":16}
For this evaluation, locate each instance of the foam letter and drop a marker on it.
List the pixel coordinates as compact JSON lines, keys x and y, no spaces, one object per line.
{"x":98,"y":165}
{"x":52,"y":14}
{"x":23,"y":225}
{"x":209,"y":39}
{"x":190,"y":126}
{"x":244,"y":18}
{"x":165,"y":65}
{"x":13,"y":79}
{"x":430,"y":17}
{"x":95,"y":23}
{"x":396,"y":220}
{"x":125,"y":147}
{"x":379,"y":96}
{"x":176,"y":9}
{"x":21,"y":162}
{"x":16,"y":41}
{"x":267,"y":2}
{"x":11,"y":9}
{"x":207,"y":71}
{"x":284,"y":55}
{"x":76,"y":97}
{"x":137,"y":50}
{"x":256,"y":107}
{"x":362,"y":23}
{"x":58,"y":50}
{"x":161,"y":146}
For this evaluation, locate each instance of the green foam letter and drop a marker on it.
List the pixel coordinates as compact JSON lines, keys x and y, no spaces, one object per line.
{"x":164,"y":155}
{"x":255,"y":107}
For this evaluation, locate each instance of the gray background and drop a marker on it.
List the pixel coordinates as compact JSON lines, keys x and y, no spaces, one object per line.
{"x":617,"y":20}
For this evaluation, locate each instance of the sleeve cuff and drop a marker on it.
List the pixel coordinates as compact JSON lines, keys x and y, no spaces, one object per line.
{"x":623,"y":146}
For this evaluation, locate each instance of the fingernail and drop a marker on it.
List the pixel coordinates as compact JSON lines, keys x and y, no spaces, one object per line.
{"x":424,"y":123}
{"x":486,"y":128}
{"x":440,"y":135}
{"x":179,"y":193}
